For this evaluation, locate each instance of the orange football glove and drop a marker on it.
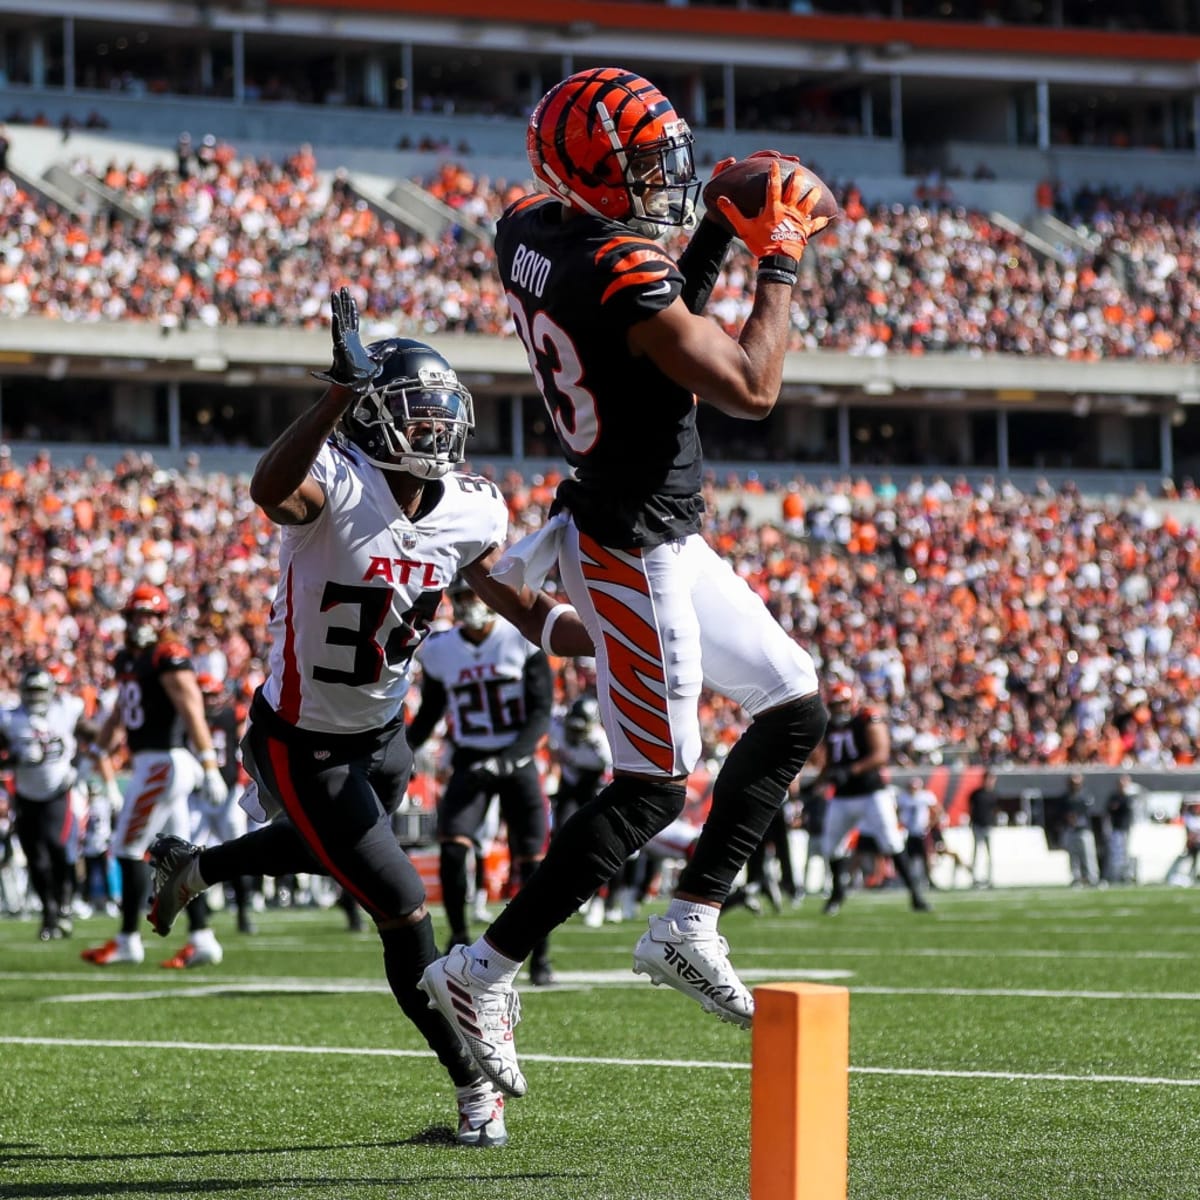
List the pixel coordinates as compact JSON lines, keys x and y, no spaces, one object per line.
{"x":785,"y":222}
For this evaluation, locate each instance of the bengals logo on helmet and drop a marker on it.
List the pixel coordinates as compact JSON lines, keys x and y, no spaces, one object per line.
{"x":609,"y":143}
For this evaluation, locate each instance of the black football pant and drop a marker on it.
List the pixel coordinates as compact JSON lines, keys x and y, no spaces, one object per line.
{"x":337,"y":793}
{"x":42,"y":827}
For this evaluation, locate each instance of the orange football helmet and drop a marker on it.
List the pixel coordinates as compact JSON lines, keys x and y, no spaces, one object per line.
{"x":146,"y":598}
{"x":608,"y":142}
{"x":145,"y":614}
{"x":841,"y":704}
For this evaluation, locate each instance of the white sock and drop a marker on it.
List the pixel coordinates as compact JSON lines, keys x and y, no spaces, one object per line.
{"x":129,"y":939}
{"x":488,"y":965}
{"x":693,"y":918}
{"x":203,"y":939}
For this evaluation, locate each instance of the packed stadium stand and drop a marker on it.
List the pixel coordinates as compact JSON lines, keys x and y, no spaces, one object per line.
{"x":1009,"y":302}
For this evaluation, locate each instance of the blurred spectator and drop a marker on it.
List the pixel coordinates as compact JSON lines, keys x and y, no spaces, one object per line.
{"x":1120,"y":821}
{"x":1079,"y":807}
{"x":982,"y":804}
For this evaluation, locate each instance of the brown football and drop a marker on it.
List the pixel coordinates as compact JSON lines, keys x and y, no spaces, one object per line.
{"x":745,"y":183}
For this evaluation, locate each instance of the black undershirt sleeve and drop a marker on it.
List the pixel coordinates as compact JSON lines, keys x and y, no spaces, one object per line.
{"x":433,"y":704}
{"x":701,"y":263}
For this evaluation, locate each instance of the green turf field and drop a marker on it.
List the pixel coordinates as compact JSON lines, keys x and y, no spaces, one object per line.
{"x":1027,"y":1045}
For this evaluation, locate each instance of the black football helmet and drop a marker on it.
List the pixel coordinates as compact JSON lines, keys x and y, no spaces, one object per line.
{"x":36,"y":690}
{"x":415,"y":416}
{"x":582,"y":717}
{"x":469,"y":611}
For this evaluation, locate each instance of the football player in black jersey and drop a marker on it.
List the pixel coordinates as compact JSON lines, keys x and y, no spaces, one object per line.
{"x":850,"y":762}
{"x":621,"y":355}
{"x":226,"y":720}
{"x":159,"y":708}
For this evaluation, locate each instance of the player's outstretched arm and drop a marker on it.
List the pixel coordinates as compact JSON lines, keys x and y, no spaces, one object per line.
{"x":281,"y":485}
{"x":529,"y":611}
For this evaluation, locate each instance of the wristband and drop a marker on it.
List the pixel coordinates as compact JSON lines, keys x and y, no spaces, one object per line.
{"x":551,"y":620}
{"x":778,"y":268}
{"x":208,"y":758}
{"x":113,"y":792}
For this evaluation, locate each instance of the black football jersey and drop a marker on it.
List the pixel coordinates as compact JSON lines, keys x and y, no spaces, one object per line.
{"x":147,"y":712}
{"x":846,"y":745}
{"x":223,"y":726}
{"x":575,"y":286}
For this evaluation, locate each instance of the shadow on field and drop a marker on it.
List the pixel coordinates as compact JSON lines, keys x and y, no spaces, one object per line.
{"x":15,"y":1154}
{"x":231,"y":1187}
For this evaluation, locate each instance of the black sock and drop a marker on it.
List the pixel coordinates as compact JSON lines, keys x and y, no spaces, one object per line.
{"x":135,"y":887}
{"x":750,"y":788}
{"x":585,"y":853}
{"x":276,"y":849}
{"x":407,"y":951}
{"x":904,"y":870}
{"x":452,"y":867}
{"x":197,"y":914}
{"x":539,"y":956}
{"x":837,"y":875}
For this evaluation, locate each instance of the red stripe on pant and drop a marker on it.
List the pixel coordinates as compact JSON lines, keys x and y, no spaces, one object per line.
{"x":278,"y":754}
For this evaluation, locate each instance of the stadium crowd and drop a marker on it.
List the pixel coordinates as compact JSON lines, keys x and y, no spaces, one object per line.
{"x":1043,"y":627}
{"x":254,"y":241}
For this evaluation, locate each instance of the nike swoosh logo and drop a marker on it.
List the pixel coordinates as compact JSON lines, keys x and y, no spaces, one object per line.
{"x":661,"y":288}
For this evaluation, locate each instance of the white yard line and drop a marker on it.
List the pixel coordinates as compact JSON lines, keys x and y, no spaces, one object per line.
{"x":580,"y":1060}
{"x":573,"y":981}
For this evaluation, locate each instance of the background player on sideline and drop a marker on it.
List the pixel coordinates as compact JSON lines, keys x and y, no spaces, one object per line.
{"x":851,"y":761}
{"x":496,"y":691}
{"x":39,"y":740}
{"x":159,"y":708}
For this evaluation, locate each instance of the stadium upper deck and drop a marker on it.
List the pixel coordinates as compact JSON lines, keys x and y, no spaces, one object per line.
{"x":901,"y":101}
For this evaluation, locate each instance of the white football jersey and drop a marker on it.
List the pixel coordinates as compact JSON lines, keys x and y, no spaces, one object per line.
{"x":913,"y":809}
{"x":485,"y":684}
{"x":589,"y":754}
{"x":43,"y":746}
{"x":358,"y":587}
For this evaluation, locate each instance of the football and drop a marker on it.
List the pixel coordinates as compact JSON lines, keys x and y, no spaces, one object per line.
{"x":745,"y":183}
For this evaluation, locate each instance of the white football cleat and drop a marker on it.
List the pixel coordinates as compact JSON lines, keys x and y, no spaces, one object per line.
{"x":192,"y":955}
{"x":696,"y":964}
{"x":121,"y":949}
{"x":483,"y":1015}
{"x":481,"y":1116}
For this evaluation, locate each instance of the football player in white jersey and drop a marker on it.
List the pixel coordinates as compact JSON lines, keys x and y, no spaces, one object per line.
{"x":496,"y":691}
{"x":40,"y":738}
{"x":375,"y":522}
{"x":579,"y":747}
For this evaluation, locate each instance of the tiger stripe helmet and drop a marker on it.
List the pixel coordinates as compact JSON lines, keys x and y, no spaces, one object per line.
{"x":607,"y":142}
